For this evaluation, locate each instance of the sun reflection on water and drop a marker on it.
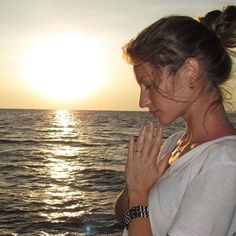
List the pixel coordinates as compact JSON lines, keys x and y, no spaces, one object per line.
{"x":61,"y":196}
{"x":60,"y":169}
{"x":64,"y":118}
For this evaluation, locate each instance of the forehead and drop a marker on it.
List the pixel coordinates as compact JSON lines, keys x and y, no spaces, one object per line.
{"x":143,"y":71}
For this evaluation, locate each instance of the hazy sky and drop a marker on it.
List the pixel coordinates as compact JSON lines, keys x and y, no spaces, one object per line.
{"x":111,"y":23}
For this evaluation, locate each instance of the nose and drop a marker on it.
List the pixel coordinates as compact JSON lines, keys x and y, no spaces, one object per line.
{"x":144,"y":100}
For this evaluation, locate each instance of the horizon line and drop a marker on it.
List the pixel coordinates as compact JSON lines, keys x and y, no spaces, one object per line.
{"x":102,"y":110}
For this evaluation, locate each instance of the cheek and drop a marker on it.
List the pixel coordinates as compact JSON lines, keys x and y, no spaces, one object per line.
{"x":157,"y":97}
{"x":169,"y":112}
{"x":154,"y":97}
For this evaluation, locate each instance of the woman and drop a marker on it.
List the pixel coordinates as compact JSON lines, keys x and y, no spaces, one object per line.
{"x":186,"y":187}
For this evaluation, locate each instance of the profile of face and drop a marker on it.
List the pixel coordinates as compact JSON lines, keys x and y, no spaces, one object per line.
{"x":166,"y":95}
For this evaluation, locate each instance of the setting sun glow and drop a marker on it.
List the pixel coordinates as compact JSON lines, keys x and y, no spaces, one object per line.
{"x":65,"y":66}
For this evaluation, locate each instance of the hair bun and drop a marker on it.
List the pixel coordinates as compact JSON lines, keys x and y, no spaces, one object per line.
{"x":210,"y":20}
{"x":223,"y":23}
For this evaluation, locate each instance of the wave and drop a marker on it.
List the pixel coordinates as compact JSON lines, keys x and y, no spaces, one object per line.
{"x":56,"y":142}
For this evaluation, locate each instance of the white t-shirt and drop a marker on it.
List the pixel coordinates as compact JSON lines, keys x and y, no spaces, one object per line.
{"x":197,"y":194}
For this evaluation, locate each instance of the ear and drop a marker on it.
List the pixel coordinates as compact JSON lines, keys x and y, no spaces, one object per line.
{"x":192,"y":69}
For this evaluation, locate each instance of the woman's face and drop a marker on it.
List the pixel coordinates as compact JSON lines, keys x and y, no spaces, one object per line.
{"x":159,"y":97}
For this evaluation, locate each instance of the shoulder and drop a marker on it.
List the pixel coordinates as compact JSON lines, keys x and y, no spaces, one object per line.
{"x":220,"y":157}
{"x":223,"y":150}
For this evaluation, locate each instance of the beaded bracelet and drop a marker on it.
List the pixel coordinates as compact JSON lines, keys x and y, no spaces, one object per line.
{"x":135,"y":212}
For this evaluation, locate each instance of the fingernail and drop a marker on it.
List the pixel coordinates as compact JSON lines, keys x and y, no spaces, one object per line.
{"x":143,"y":127}
{"x":155,"y":123}
{"x":149,"y":125}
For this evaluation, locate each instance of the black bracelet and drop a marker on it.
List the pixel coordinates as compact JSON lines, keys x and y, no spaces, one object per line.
{"x":135,"y":212}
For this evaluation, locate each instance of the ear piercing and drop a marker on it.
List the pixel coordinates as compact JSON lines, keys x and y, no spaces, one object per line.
{"x":191,"y":85}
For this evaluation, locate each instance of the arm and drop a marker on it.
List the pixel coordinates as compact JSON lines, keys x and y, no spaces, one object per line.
{"x":139,"y":226}
{"x":121,"y":205}
{"x":143,"y":169}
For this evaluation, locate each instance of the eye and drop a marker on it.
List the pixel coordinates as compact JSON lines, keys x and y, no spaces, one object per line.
{"x":147,"y":87}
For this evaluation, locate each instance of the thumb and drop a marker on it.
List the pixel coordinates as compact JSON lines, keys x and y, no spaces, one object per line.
{"x":163,"y":164}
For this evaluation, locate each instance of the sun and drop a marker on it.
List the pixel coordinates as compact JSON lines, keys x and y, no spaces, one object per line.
{"x":65,"y":66}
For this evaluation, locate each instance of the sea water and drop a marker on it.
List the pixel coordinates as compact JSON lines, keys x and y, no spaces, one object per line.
{"x":60,"y":171}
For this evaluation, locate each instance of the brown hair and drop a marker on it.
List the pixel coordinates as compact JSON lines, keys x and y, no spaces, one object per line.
{"x":171,"y":40}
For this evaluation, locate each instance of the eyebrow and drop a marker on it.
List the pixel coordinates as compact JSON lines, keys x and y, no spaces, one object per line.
{"x":143,"y":79}
{"x":139,"y":79}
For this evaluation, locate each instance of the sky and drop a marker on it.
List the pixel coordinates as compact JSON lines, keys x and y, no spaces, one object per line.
{"x":35,"y":33}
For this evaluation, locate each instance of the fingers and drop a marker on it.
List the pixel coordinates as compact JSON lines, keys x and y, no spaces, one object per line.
{"x":131,"y":148}
{"x":148,"y":139}
{"x":157,"y":141}
{"x":153,"y":141}
{"x":148,"y":142}
{"x":142,"y":168}
{"x":139,"y":144}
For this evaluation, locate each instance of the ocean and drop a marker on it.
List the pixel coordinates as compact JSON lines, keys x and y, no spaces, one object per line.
{"x":60,"y":171}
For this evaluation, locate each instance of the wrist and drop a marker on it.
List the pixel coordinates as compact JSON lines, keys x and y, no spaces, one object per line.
{"x":138,"y":211}
{"x":137,"y":198}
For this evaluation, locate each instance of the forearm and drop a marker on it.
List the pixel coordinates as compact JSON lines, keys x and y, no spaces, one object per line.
{"x":139,"y":226}
{"x":121,"y":205}
{"x":141,"y":175}
{"x":125,"y":201}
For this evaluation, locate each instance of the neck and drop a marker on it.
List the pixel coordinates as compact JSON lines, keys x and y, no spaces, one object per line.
{"x":204,"y":125}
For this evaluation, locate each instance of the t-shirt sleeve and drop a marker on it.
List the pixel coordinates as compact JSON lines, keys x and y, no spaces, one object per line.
{"x":209,"y":202}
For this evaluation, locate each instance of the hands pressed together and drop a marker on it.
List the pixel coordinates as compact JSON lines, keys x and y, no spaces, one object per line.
{"x":144,"y":166}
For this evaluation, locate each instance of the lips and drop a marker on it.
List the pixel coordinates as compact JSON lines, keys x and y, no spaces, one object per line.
{"x":154,"y":113}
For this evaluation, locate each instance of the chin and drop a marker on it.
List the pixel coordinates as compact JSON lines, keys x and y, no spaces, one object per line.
{"x":165,"y":121}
